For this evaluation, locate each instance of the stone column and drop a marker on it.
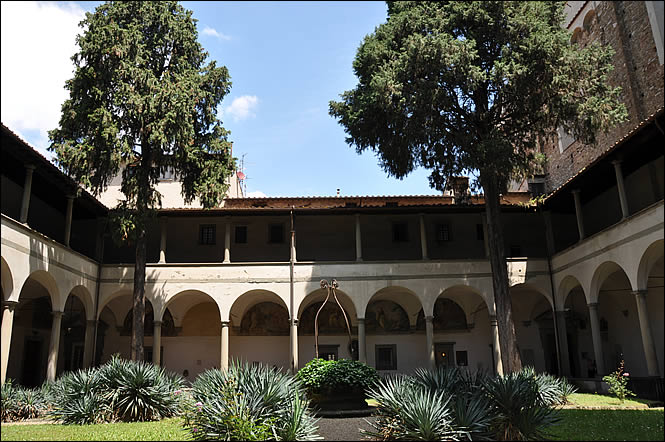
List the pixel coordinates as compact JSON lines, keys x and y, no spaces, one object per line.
{"x":227,"y":241}
{"x":163,"y":224}
{"x":496,"y":346}
{"x":429,"y":332}
{"x":362,"y":344}
{"x":578,"y":213}
{"x":157,"y":343}
{"x":294,"y":346}
{"x":359,"y":245}
{"x":423,"y":236}
{"x":8,"y":308}
{"x":68,"y":218}
{"x":27,"y":186}
{"x":54,"y":346}
{"x":89,"y":340}
{"x":597,"y":341}
{"x":224,"y":363}
{"x":645,"y":330}
{"x":621,"y":188}
{"x":564,"y":355}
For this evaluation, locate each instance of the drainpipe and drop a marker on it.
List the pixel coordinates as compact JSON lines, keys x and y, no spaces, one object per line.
{"x":99,"y":283}
{"x":294,"y":349}
{"x":549,"y":249}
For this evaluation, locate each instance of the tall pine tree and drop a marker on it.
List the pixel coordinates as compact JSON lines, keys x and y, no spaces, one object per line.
{"x":456,"y":86}
{"x":143,"y":100}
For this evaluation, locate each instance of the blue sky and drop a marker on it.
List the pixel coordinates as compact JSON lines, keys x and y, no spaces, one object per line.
{"x":287,"y":60}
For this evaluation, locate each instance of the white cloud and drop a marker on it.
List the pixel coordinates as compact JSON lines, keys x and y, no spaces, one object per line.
{"x":38,"y":40}
{"x":242,"y":108}
{"x":256,"y":194}
{"x":213,"y":32}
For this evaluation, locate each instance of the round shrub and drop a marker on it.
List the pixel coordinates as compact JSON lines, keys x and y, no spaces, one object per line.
{"x":329,"y":377}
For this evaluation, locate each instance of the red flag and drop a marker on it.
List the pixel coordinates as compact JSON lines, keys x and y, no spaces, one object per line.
{"x":241,"y":176}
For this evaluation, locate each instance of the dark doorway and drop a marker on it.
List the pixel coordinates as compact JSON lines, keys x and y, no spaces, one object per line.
{"x":32,"y":363}
{"x":444,"y":354}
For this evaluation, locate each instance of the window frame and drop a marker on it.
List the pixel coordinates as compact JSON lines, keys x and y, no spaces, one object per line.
{"x":270,"y":233}
{"x":202,"y":229}
{"x":393,"y":361}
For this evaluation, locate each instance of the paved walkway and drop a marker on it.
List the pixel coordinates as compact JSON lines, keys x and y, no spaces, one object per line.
{"x":344,"y":428}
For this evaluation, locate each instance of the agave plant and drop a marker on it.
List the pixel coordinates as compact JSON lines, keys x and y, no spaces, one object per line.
{"x":79,"y":397}
{"x":21,"y":403}
{"x":249,"y":402}
{"x":440,"y":379}
{"x":140,"y":391}
{"x":519,"y":412}
{"x":9,"y":401}
{"x":409,"y":411}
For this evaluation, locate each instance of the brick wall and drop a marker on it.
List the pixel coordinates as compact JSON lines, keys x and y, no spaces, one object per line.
{"x":625,"y":26}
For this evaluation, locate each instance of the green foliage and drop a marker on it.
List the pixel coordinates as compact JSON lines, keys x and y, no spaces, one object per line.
{"x":144,"y":98}
{"x":459,"y":86}
{"x":467,"y":406}
{"x":118,"y":390}
{"x":248,"y":402}
{"x":618,"y":382}
{"x":320,"y":375}
{"x":20,"y":403}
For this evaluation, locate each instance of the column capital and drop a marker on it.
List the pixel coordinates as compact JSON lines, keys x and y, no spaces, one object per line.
{"x":592,"y":305}
{"x":163,"y":220}
{"x":10,"y":305}
{"x":617,"y":162}
{"x":226,"y":323}
{"x":429,"y":318}
{"x":642,"y":292}
{"x":294,"y":322}
{"x":157,"y":323}
{"x":576,"y":191}
{"x":493,"y":320}
{"x":91,"y":322}
{"x":57,"y":314}
{"x":30,"y":167}
{"x":360,"y":320}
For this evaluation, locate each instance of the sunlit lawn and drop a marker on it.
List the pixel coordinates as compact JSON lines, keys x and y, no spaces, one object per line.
{"x":167,"y":429}
{"x":599,"y":400}
{"x":609,"y":425}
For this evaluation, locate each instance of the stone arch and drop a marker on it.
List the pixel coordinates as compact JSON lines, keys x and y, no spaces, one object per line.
{"x":600,"y":275}
{"x":83,"y":294}
{"x":329,"y":315}
{"x":535,"y":288}
{"x":180,"y":303}
{"x":568,"y":283}
{"x":245,"y":302}
{"x":452,"y":309}
{"x":46,"y":280}
{"x":647,"y":261}
{"x":577,"y":33}
{"x":406,"y":299}
{"x":7,"y":279}
{"x":588,"y":19}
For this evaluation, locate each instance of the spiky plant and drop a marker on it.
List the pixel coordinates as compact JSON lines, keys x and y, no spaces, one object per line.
{"x":140,"y":391}
{"x":249,"y":402}
{"x":8,"y":402}
{"x":519,"y":413}
{"x":79,"y":397}
{"x":440,"y":379}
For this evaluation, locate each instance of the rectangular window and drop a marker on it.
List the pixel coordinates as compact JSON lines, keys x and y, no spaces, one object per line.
{"x":328,"y":352}
{"x":400,"y":232}
{"x":241,"y":235}
{"x":207,"y":234}
{"x":462,"y":358}
{"x":386,"y":357}
{"x":515,"y":251}
{"x":276,"y":233}
{"x":167,"y":174}
{"x":565,"y":139}
{"x":442,"y":232}
{"x":480,"y":235}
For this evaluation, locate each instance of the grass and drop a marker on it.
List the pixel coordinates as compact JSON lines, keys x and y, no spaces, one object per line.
{"x":600,"y":400}
{"x":167,"y":429}
{"x":609,"y":425}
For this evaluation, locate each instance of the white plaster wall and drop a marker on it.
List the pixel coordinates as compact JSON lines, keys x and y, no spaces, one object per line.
{"x":269,"y":350}
{"x":411,"y":351}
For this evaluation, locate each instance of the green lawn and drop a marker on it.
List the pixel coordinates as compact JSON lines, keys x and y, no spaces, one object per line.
{"x":610,"y":425}
{"x":599,"y":400}
{"x":167,"y":429}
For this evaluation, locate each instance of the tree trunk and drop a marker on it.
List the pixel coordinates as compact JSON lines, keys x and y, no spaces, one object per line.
{"x":510,"y":354}
{"x":138,"y":307}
